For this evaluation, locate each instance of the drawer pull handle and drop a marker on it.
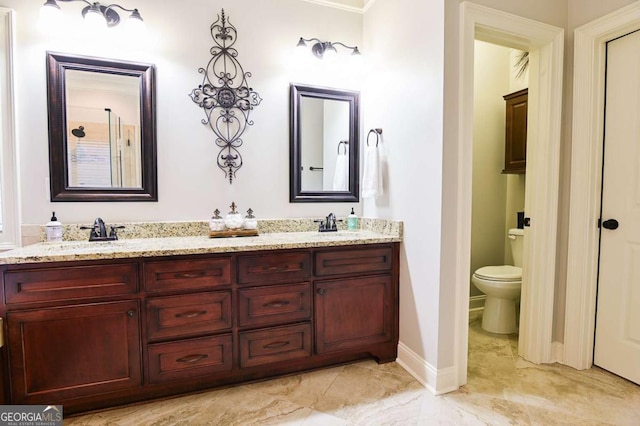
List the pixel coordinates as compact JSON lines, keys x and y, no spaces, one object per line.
{"x":277,"y":268}
{"x":321,"y":291}
{"x":192,"y":358}
{"x":190,"y":314}
{"x":189,"y":275}
{"x":131,"y":313}
{"x":276,"y":304}
{"x":275,"y":345}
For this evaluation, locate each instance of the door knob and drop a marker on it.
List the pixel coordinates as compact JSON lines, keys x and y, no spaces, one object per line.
{"x":610,"y":224}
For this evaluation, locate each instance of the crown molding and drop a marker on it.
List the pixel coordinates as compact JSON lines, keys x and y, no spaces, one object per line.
{"x":336,"y":5}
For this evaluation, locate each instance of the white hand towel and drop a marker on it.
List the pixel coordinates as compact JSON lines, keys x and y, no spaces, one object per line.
{"x":341,"y":174}
{"x":372,"y":175}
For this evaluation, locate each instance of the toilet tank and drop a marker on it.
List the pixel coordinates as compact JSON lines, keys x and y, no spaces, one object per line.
{"x":516,"y":239}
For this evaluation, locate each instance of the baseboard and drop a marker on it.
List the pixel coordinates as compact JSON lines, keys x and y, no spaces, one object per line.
{"x":436,"y":381}
{"x":477,"y":302}
{"x":557,"y":352}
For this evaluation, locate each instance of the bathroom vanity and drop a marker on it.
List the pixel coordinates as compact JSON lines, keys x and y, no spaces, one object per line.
{"x":90,"y":327}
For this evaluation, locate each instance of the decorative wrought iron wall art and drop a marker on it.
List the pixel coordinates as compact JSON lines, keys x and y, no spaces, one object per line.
{"x":225,"y":96}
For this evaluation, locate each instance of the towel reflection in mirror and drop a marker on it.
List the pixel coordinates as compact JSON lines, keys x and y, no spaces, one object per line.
{"x":323,"y":122}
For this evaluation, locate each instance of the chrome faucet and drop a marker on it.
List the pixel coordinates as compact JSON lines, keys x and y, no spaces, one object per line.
{"x":99,"y":231}
{"x":329,"y":224}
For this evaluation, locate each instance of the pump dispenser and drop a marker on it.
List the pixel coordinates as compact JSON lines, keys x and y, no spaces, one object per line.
{"x":53,"y":229}
{"x":352,"y":221}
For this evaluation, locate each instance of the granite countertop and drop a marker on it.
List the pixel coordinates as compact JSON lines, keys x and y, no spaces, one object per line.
{"x":195,"y":244}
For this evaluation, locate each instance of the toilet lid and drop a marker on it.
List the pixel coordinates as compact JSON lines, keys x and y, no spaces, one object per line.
{"x":500,"y":273}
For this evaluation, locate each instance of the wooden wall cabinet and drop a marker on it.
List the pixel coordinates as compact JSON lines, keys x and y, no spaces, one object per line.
{"x":94,"y":334}
{"x":515,"y":152}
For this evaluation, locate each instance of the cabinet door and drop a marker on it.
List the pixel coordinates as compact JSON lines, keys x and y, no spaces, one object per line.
{"x":74,"y":351}
{"x":353,"y":312}
{"x":515,"y":152}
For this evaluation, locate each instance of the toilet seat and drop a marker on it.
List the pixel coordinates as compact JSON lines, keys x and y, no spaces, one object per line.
{"x":504,"y":273}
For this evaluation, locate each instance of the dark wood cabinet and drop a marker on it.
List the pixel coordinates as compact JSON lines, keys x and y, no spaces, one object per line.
{"x":93,"y":334}
{"x":515,"y":152}
{"x":57,"y":354}
{"x":353,"y":312}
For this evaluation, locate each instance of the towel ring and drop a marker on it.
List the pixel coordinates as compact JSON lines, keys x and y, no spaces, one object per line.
{"x":377,"y":132}
{"x":346,"y":143}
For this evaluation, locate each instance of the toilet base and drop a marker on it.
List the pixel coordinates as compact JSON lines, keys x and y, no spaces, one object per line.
{"x":499,"y":315}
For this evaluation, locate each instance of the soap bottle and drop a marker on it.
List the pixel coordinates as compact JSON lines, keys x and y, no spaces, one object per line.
{"x":352,"y":221}
{"x":53,"y":229}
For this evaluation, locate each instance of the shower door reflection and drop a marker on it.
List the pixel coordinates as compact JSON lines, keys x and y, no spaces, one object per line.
{"x":103,"y":130}
{"x":102,"y":150}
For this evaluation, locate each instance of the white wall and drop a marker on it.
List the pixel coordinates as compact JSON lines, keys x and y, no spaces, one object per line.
{"x":190,"y":185}
{"x":403,"y":96}
{"x":489,"y":196}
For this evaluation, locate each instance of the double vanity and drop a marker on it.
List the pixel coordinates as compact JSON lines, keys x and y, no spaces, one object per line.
{"x":91,"y":325}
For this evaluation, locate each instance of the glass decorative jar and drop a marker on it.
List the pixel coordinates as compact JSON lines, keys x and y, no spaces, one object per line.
{"x":250,"y":221}
{"x":216,"y":223}
{"x":233,"y":219}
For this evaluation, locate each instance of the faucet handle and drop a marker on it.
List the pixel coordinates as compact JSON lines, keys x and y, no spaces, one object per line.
{"x":114,"y":231}
{"x":95,"y":232}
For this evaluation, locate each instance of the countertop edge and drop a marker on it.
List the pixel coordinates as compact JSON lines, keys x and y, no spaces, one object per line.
{"x":177,"y":246}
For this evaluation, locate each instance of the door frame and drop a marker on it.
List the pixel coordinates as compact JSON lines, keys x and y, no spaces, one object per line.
{"x":546,"y":44}
{"x":586,"y":179}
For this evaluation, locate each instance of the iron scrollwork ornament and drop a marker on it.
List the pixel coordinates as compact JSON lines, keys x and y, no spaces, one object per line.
{"x":225,"y":96}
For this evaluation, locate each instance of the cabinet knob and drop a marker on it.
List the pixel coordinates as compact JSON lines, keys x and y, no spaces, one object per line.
{"x":131,"y":313}
{"x":321,"y":291}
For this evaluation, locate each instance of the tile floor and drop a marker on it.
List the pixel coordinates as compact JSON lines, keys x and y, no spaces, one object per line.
{"x":502,"y":389}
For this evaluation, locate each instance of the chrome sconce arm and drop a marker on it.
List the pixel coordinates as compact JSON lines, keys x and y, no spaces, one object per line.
{"x":319,"y":47}
{"x":95,"y":9}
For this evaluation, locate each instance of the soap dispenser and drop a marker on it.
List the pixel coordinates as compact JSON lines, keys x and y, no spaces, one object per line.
{"x":352,"y":221}
{"x":53,"y":229}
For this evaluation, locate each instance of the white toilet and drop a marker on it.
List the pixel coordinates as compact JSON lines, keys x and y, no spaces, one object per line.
{"x":502,"y":286}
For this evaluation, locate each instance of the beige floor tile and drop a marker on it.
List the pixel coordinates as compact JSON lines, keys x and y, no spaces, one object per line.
{"x":303,"y":389}
{"x":502,"y":389}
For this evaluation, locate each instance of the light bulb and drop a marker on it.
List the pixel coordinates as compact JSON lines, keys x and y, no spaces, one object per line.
{"x":94,"y":17}
{"x":50,"y":15}
{"x":135,"y":24}
{"x":330,"y":53}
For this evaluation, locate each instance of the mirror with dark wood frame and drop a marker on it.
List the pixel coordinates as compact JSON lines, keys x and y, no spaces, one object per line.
{"x":102,"y":129}
{"x":324,"y":139}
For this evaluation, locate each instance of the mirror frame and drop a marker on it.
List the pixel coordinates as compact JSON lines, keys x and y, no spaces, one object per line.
{"x":57,"y":65}
{"x":296,"y":194}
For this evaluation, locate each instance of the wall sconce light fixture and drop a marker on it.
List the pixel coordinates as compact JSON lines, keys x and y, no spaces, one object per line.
{"x":95,"y":12}
{"x":321,"y":48}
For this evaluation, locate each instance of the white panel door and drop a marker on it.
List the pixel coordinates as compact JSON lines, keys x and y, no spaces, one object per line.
{"x":617,"y":340}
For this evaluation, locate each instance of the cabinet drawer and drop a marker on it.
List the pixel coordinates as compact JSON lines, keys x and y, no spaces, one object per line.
{"x":275,"y":345}
{"x":362,"y":260}
{"x":189,"y":358}
{"x":274,"y":267}
{"x":178,"y":316}
{"x":187,"y":274}
{"x":274,"y":304}
{"x":68,"y":283}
